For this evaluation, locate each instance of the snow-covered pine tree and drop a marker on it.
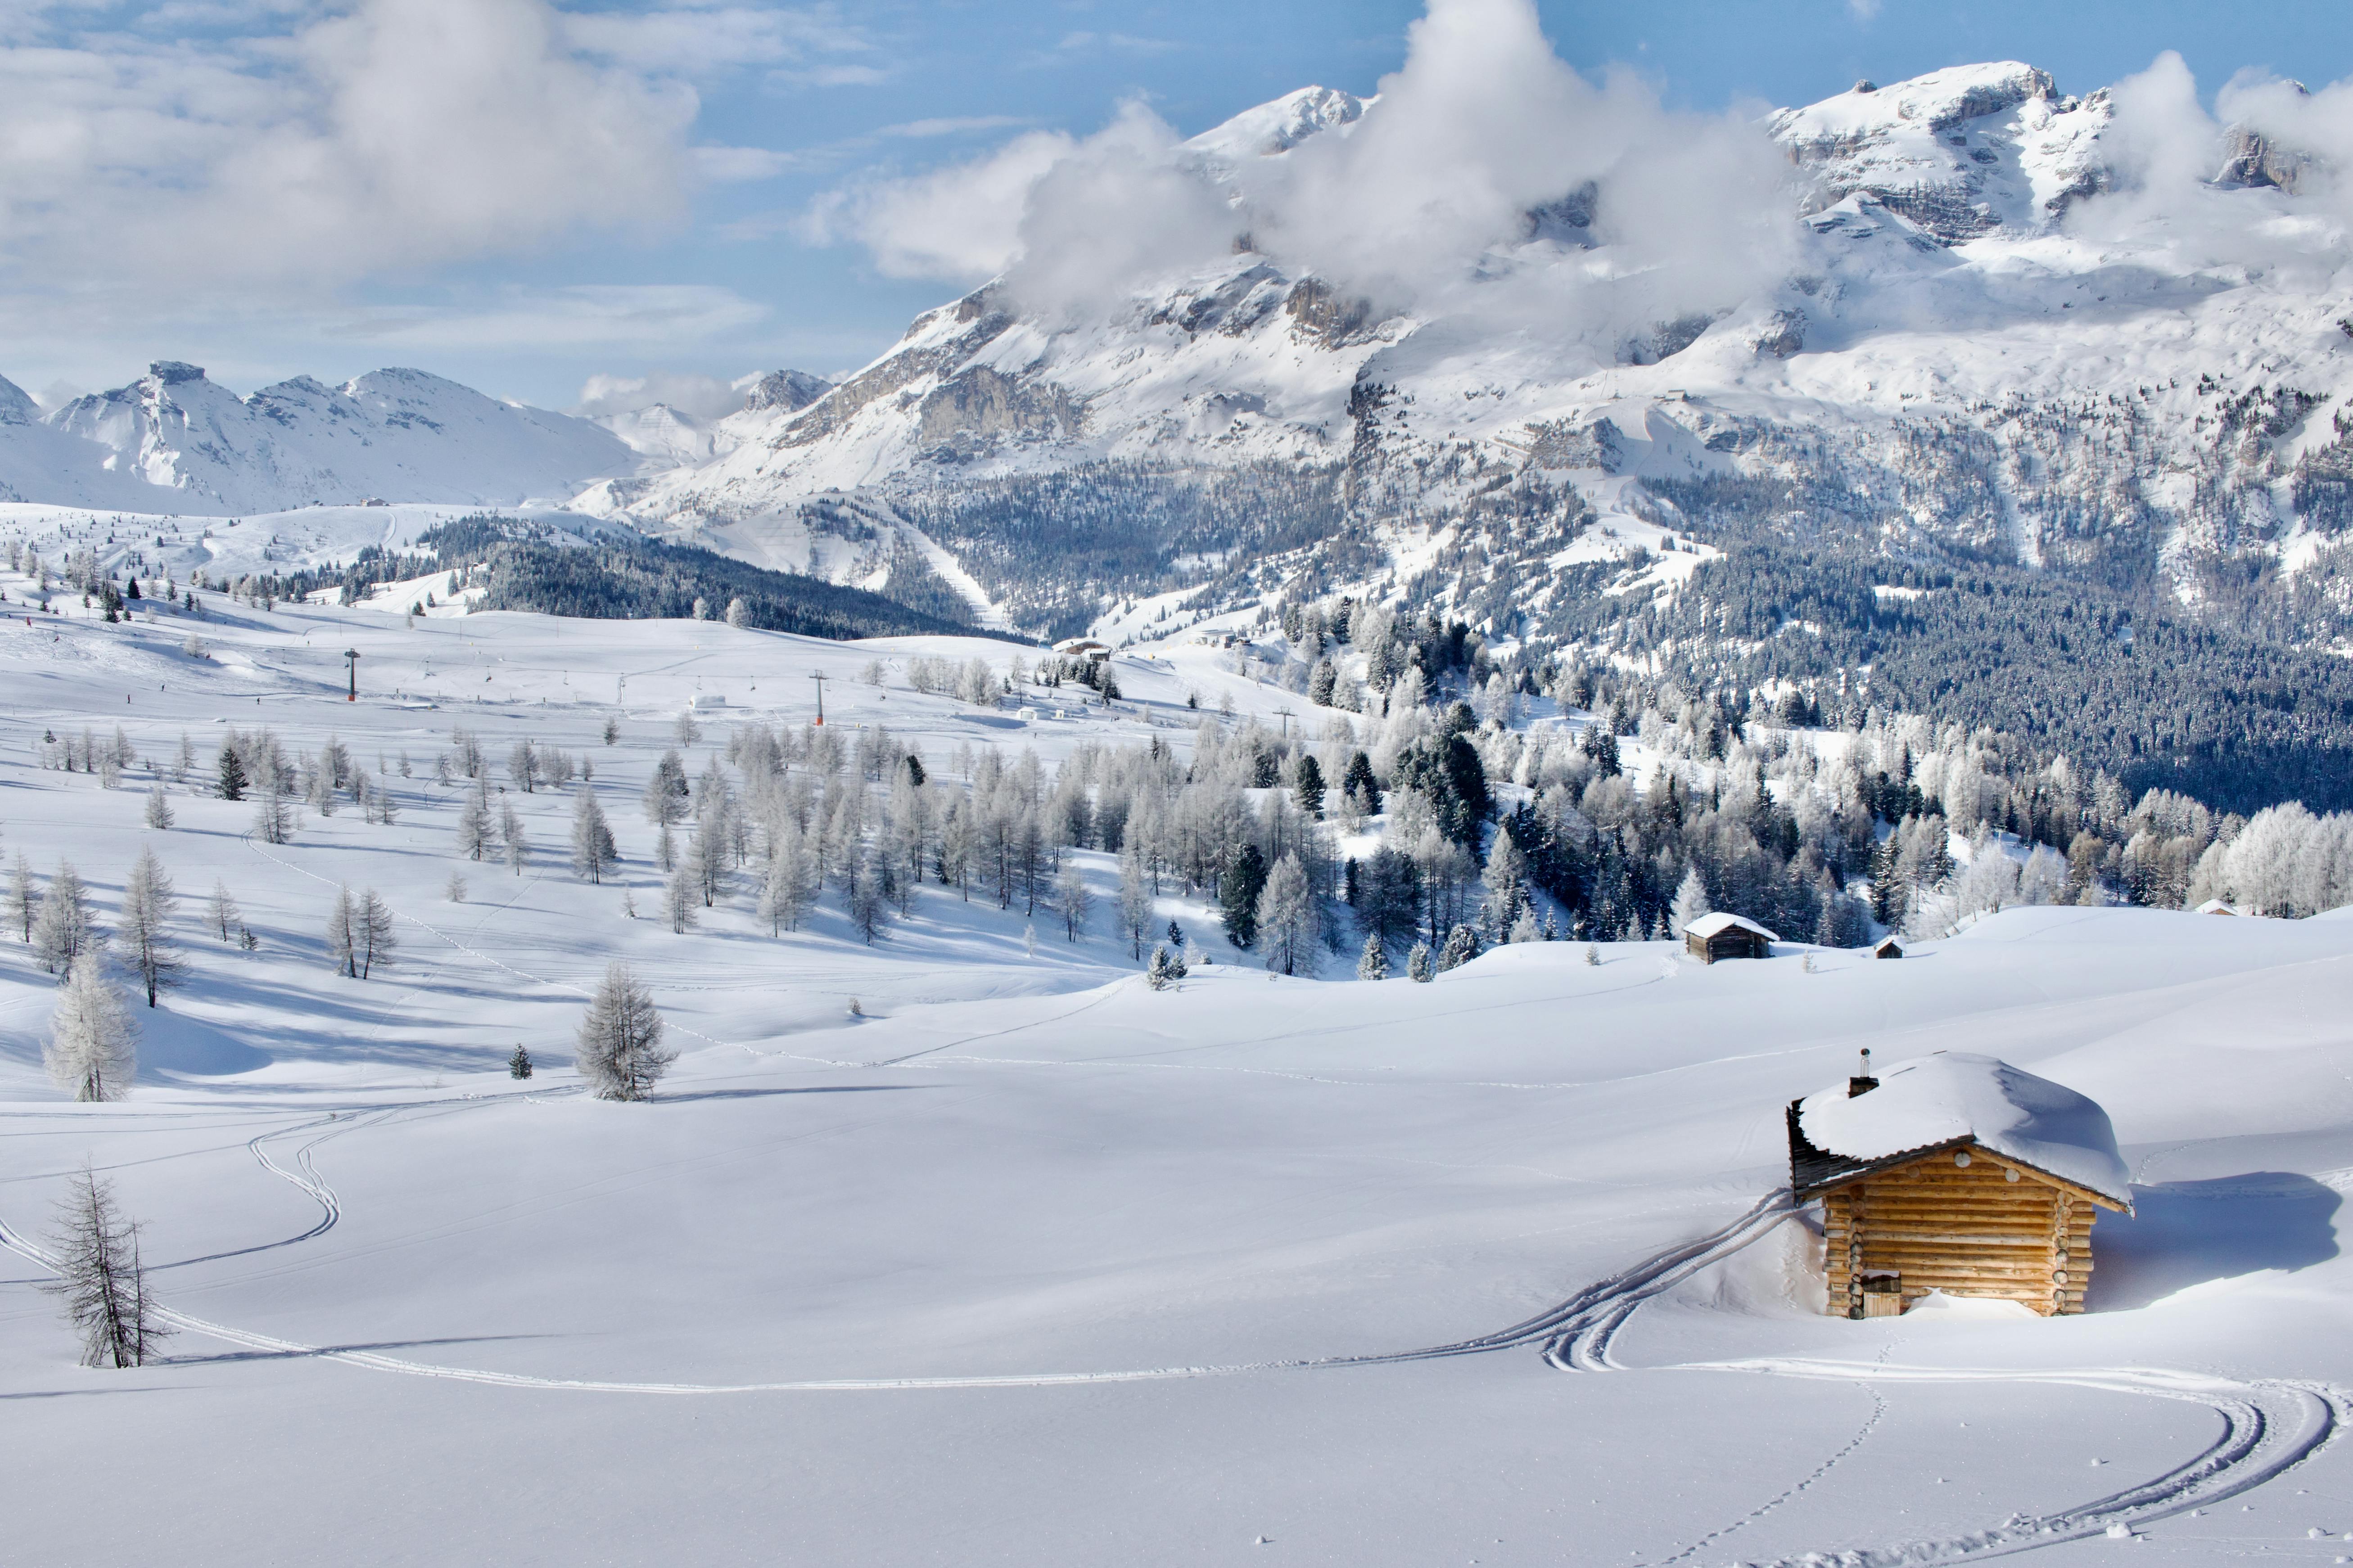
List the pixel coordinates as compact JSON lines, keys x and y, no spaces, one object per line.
{"x":1238,"y":886}
{"x":1418,"y":965}
{"x":592,"y":836}
{"x":93,"y":1045}
{"x":230,"y":780}
{"x":1461,"y":947}
{"x":1157,"y":973}
{"x":100,"y":1283}
{"x":372,"y":930}
{"x":612,"y":730}
{"x":1691,"y":902}
{"x":1526,"y":928}
{"x":148,"y":900}
{"x":159,"y":808}
{"x":621,"y":1055}
{"x":63,"y":930}
{"x":1373,"y":964}
{"x":474,"y":823}
{"x":520,"y":1064}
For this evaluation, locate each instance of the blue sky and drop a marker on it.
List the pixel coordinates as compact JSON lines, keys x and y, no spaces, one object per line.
{"x":254,"y":215}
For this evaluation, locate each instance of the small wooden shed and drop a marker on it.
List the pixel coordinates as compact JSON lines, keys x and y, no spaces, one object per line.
{"x":1958,"y":1173}
{"x":1715,"y":936}
{"x":1887,"y":947}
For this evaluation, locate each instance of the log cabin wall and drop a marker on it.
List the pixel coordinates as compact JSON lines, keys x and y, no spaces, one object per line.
{"x":1966,"y":1230}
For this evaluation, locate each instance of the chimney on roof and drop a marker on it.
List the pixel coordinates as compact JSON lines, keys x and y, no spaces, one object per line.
{"x":1863,"y":1082}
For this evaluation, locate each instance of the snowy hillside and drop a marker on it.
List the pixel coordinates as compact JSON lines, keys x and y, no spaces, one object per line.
{"x":175,"y":442}
{"x":952,"y":1240}
{"x":1990,"y":329}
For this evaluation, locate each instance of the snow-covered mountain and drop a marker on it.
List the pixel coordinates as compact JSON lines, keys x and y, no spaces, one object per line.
{"x":175,"y":442}
{"x":1997,"y":338}
{"x":670,"y":436}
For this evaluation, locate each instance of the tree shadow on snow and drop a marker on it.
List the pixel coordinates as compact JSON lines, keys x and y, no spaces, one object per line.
{"x":2187,"y":1233}
{"x":667,"y":1099}
{"x":309,"y":1352}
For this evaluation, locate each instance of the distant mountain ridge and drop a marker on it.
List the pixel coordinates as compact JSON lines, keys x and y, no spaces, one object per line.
{"x":1947,"y":369}
{"x":177,"y":442}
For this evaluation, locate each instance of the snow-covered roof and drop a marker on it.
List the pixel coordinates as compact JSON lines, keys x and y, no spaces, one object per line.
{"x":1716,"y":924}
{"x":2214,"y":907}
{"x":1951,"y":1096}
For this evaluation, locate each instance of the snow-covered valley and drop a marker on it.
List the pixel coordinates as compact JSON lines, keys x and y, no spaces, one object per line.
{"x":1024,"y":1259}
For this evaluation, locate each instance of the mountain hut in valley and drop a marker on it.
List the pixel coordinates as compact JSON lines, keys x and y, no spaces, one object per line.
{"x":1958,"y":1174}
{"x":1715,"y":936}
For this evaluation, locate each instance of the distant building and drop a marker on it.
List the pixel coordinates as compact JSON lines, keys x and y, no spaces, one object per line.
{"x":1958,"y":1174}
{"x":1712,"y":937}
{"x":1084,"y":647}
{"x":701,"y":703}
{"x":1887,"y":947}
{"x":2215,"y":907}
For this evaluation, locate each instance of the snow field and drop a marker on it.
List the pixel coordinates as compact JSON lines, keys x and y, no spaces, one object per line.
{"x":1057,"y":1243}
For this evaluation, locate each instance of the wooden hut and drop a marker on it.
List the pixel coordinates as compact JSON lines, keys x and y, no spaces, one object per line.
{"x":1715,"y":936}
{"x":1887,"y":947}
{"x":1958,"y":1174}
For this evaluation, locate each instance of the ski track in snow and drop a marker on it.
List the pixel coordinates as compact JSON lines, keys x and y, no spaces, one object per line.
{"x":2269,"y":1426}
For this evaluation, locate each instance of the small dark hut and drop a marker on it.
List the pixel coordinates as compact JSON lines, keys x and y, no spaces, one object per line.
{"x":1958,"y":1174}
{"x":1887,"y":947}
{"x":1712,"y":937}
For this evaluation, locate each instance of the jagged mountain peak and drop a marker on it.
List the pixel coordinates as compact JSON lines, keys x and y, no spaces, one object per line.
{"x":1274,"y":128}
{"x":17,"y":407}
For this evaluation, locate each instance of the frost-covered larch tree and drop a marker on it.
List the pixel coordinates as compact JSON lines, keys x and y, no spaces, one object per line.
{"x":372,"y":931}
{"x":93,"y":1045}
{"x":1691,"y":902}
{"x":1288,"y":923}
{"x":343,"y":935}
{"x":148,"y":900}
{"x":101,"y":1283}
{"x":592,"y":849}
{"x":1134,"y":897}
{"x":621,"y":1055}
{"x":474,"y":823}
{"x":63,"y":929}
{"x":1373,"y":964}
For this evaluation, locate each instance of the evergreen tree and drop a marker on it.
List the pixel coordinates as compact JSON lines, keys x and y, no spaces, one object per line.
{"x":1307,"y":786}
{"x":1360,"y":781}
{"x":520,"y":1064}
{"x":1237,"y":893}
{"x":93,"y":1045}
{"x":620,"y":1054}
{"x":231,"y":772}
{"x":148,"y":900}
{"x":1157,"y":973}
{"x":667,"y":794}
{"x":101,"y":1283}
{"x":1373,"y":964}
{"x":1461,"y":947}
{"x":1418,"y":966}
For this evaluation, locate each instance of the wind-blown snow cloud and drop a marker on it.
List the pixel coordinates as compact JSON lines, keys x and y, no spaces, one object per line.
{"x":2164,"y":154}
{"x":703,"y":396}
{"x":1421,"y":205}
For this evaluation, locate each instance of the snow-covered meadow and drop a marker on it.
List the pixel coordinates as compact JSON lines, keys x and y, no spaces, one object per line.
{"x":1032,"y":1263}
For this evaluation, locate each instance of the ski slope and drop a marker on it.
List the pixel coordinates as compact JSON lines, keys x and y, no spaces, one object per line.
{"x":1033,"y":1263}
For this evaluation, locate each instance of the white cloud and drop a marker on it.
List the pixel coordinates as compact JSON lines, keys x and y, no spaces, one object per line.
{"x":386,"y":134}
{"x":736,"y":165}
{"x":1423,"y":206}
{"x":958,"y":125}
{"x":962,"y":223}
{"x":577,"y":317}
{"x":703,"y":40}
{"x":1864,"y":10}
{"x":702,"y":396}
